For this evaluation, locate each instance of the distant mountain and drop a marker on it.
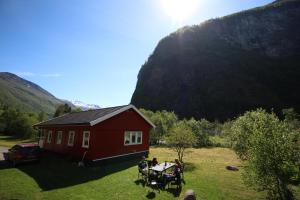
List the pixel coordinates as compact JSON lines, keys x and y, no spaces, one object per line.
{"x":28,"y":96}
{"x":226,"y":66}
{"x":84,"y":106}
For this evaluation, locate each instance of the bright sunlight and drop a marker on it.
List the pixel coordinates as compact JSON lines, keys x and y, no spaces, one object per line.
{"x":179,"y":10}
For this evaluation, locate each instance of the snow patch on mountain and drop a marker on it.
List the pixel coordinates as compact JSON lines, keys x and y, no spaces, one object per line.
{"x":85,"y":106}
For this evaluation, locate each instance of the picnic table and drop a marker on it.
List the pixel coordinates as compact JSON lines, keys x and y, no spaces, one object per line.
{"x":162,"y":166}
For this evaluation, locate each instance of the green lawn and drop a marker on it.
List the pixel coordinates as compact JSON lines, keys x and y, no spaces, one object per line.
{"x":9,"y":141}
{"x":55,"y":178}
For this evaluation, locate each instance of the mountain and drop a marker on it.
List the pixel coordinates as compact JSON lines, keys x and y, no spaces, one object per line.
{"x":85,"y":106}
{"x":18,"y":92}
{"x":226,"y":66}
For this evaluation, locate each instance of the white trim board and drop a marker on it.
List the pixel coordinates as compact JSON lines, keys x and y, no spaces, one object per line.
{"x":101,"y":119}
{"x":118,"y":156}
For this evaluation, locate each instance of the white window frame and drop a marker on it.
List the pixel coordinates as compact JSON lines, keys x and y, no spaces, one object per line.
{"x":71,"y":133}
{"x":49,"y":137}
{"x":133,"y":134}
{"x":84,"y":139}
{"x":59,"y":139}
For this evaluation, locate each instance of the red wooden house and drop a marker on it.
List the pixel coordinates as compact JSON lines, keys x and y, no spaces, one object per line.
{"x":99,"y":134}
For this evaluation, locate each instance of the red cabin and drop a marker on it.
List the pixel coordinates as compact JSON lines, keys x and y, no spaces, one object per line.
{"x":97,"y":135}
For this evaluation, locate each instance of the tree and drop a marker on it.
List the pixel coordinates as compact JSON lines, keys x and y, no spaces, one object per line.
{"x":291,"y":117}
{"x":17,"y":123}
{"x":163,"y":121}
{"x":77,"y":109}
{"x":180,"y":138}
{"x":41,"y":116}
{"x":271,"y":150}
{"x":62,"y":109}
{"x":201,"y":130}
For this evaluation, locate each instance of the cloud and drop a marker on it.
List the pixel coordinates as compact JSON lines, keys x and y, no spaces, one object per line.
{"x":55,"y":75}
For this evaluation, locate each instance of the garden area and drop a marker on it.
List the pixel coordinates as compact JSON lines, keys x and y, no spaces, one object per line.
{"x":56,"y":178}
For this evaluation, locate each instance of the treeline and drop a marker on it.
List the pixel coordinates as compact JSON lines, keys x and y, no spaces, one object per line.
{"x":166,"y":121}
{"x":18,"y":123}
{"x":269,"y":145}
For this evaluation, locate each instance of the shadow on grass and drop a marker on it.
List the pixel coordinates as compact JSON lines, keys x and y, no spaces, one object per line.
{"x":140,"y":182}
{"x":188,"y":167}
{"x":175,"y":191}
{"x":54,"y":172}
{"x":151,"y":195}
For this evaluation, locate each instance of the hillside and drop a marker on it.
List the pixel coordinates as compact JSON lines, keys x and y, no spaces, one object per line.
{"x":18,"y":92}
{"x":225,"y":66}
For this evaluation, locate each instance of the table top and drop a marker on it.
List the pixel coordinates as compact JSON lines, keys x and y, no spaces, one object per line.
{"x":162,"y":167}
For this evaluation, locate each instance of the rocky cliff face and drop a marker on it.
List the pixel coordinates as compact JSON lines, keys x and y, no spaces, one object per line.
{"x":225,"y":66}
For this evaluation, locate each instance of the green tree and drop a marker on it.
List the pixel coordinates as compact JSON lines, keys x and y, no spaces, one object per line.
{"x":77,"y":109}
{"x":41,"y":116}
{"x":201,"y":130}
{"x":180,"y":138}
{"x":291,"y":117}
{"x":163,"y":121}
{"x":271,"y":149}
{"x":62,"y":109}
{"x":17,"y":123}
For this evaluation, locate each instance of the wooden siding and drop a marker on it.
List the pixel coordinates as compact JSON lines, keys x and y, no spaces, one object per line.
{"x":106,"y":138}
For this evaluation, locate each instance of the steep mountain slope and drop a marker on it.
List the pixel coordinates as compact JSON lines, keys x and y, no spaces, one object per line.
{"x":18,"y":92}
{"x":225,"y":66}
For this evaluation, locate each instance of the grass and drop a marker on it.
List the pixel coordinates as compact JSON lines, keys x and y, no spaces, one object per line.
{"x":9,"y":141}
{"x":55,"y":178}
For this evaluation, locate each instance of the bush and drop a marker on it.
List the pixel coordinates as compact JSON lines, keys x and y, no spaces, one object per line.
{"x":271,"y":149}
{"x":17,"y":123}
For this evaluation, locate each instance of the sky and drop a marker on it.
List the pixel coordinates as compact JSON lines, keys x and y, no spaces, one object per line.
{"x":92,"y":50}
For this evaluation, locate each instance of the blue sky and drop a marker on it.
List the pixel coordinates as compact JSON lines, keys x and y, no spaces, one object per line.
{"x":91,"y":50}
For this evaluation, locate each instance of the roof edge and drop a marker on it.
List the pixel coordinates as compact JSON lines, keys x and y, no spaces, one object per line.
{"x":110,"y":115}
{"x":38,"y":124}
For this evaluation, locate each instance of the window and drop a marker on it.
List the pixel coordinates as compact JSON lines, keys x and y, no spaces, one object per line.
{"x":71,"y":138}
{"x":133,"y":137}
{"x":86,"y":139}
{"x":49,"y":136}
{"x":59,"y":137}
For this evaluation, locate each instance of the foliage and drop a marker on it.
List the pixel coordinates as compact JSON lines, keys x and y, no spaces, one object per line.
{"x":62,"y":109}
{"x":271,"y":150}
{"x":201,"y":130}
{"x":17,"y":123}
{"x":291,"y":117}
{"x":77,"y":109}
{"x":41,"y":116}
{"x":180,"y":138}
{"x":163,"y":121}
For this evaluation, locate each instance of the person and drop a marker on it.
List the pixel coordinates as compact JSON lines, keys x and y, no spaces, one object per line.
{"x":154,"y":162}
{"x":143,"y":165}
{"x":178,"y":166}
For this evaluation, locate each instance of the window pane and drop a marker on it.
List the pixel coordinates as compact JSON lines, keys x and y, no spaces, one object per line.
{"x":133,"y":137}
{"x":127,"y":137}
{"x":139,"y":137}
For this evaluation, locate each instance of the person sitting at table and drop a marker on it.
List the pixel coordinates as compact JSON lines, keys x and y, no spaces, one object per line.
{"x":178,"y":165}
{"x":175,"y":174}
{"x":154,"y":162}
{"x":143,"y":165}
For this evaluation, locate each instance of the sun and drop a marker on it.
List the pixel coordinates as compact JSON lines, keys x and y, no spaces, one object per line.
{"x":179,"y":10}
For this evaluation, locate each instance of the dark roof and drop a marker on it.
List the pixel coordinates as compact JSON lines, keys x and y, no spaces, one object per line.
{"x":80,"y":118}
